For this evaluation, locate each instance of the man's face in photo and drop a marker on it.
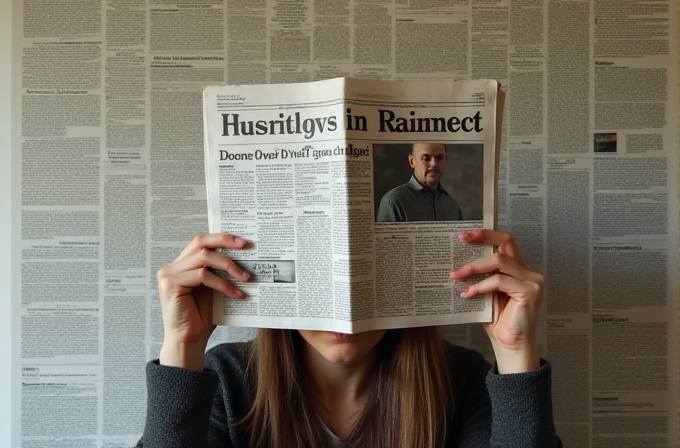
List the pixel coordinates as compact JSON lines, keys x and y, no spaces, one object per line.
{"x":428,"y":161}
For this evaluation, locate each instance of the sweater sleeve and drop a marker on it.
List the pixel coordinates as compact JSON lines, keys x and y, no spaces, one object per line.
{"x":179,"y":403}
{"x":521,"y":409}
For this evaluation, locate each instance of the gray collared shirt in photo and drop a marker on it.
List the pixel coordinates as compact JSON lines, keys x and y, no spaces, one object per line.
{"x":413,"y":202}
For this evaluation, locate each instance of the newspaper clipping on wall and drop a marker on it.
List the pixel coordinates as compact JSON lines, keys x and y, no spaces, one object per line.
{"x":352,"y":194}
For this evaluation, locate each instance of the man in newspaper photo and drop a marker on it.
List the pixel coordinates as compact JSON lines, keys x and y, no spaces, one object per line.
{"x":422,"y":198}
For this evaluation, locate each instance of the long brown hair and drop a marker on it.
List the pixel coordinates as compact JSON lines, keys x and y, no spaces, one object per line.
{"x":409,"y":400}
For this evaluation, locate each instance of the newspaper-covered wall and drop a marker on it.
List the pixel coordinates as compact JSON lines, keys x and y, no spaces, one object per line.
{"x":107,"y":184}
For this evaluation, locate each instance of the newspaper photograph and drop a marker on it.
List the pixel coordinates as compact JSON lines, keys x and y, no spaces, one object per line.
{"x":352,"y":194}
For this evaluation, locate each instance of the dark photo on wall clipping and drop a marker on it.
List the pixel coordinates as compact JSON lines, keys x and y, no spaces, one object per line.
{"x":428,"y":181}
{"x":605,"y":142}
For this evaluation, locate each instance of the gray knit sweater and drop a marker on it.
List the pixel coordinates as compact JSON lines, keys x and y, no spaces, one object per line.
{"x":190,"y":409}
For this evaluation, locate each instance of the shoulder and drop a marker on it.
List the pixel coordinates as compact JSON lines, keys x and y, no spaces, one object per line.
{"x":229,"y":359}
{"x":465,"y":363}
{"x":457,"y":352}
{"x":230,"y":352}
{"x":470,"y":423}
{"x":398,"y":193}
{"x":468,"y":370}
{"x":236,"y":385}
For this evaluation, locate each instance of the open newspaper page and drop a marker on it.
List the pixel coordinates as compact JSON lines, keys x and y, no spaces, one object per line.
{"x":352,"y":194}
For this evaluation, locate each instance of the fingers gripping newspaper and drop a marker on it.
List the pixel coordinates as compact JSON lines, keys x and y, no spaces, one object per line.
{"x":352,"y":194}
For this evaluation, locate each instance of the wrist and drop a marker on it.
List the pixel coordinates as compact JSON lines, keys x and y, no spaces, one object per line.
{"x":520,"y":360}
{"x":184,"y":355}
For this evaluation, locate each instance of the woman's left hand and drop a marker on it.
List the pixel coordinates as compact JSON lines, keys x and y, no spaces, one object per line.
{"x":519,"y":290}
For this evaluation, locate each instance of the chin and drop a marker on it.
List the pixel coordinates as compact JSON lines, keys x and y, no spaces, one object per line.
{"x":341,"y":348}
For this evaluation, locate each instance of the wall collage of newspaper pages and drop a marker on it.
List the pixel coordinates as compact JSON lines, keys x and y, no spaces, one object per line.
{"x":107,"y":184}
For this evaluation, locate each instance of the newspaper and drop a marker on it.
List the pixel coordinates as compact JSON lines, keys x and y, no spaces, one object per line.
{"x":324,"y":178}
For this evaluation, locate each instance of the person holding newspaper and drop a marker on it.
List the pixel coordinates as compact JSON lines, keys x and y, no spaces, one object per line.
{"x":399,"y":388}
{"x":422,"y":198}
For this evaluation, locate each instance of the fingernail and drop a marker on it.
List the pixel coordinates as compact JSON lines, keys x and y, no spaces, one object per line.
{"x":238,"y":293}
{"x":464,"y":235}
{"x":245,"y":275}
{"x":240,"y":241}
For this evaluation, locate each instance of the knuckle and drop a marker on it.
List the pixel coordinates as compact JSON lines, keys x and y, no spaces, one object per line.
{"x":540,"y":279}
{"x":230,"y":264}
{"x":164,"y":284}
{"x":161,"y":273}
{"x":199,"y":240}
{"x":203,"y":274}
{"x":204,"y":252}
{"x":536,"y":288}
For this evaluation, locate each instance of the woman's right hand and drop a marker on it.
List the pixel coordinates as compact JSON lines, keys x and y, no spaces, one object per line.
{"x":186,"y":288}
